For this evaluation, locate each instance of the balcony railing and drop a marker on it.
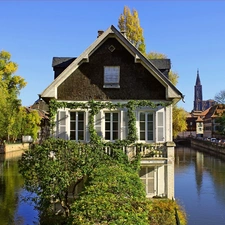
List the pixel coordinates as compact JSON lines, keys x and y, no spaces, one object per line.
{"x":153,"y":151}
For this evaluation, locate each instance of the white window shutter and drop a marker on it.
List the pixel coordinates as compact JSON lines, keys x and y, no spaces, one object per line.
{"x":124,"y":125}
{"x":98,"y":123}
{"x":160,"y":125}
{"x":61,"y":122}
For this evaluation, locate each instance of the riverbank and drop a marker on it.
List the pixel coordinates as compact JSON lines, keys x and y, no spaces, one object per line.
{"x":208,"y":146}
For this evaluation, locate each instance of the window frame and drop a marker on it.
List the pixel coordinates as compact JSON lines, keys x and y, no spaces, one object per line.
{"x":145,"y":178}
{"x":146,"y":113}
{"x":111,"y":126}
{"x":111,"y":82}
{"x":77,"y":130}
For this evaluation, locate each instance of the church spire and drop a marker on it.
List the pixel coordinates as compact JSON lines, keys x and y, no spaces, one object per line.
{"x":198,"y":82}
{"x":198,"y":94}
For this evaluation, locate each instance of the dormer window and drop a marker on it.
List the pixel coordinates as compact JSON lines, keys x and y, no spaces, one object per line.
{"x":111,"y":77}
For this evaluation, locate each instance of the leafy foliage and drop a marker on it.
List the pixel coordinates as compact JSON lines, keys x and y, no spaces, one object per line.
{"x":55,"y":167}
{"x":113,"y":195}
{"x":163,"y":212}
{"x":30,"y":123}
{"x":221,"y":122}
{"x":129,"y":22}
{"x":179,"y":120}
{"x":11,"y":115}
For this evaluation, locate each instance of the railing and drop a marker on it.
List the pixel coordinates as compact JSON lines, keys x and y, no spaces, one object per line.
{"x":153,"y":151}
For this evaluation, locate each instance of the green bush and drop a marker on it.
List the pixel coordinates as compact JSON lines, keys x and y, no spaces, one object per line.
{"x":114,"y":195}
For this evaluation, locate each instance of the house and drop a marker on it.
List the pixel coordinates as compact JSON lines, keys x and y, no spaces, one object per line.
{"x":210,"y":120}
{"x":113,"y":73}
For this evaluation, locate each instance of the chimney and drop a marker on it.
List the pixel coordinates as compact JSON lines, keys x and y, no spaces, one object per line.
{"x":100,"y":32}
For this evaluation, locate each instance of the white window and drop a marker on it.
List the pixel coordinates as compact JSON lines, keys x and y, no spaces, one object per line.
{"x":147,"y":176}
{"x":151,"y":126}
{"x":111,"y":77}
{"x":77,"y":126}
{"x":146,"y":126}
{"x":111,"y":126}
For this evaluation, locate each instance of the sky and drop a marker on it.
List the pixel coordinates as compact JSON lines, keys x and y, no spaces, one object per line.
{"x":190,"y":33}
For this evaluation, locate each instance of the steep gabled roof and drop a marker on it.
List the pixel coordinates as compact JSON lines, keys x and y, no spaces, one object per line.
{"x":172,"y":91}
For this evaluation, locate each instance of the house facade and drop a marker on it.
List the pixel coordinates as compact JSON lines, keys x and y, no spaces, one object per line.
{"x":112,"y":73}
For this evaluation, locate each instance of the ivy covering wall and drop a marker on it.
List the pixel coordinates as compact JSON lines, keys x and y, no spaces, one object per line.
{"x":94,"y":108}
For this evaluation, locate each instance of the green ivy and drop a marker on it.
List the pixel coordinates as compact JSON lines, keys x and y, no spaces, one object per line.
{"x":95,"y":106}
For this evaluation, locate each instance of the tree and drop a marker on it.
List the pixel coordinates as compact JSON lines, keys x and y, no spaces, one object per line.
{"x":129,"y":23}
{"x":55,"y":168}
{"x":221,"y":126}
{"x":29,"y":122}
{"x":12,"y":115}
{"x":220,"y":97}
{"x":179,"y":120}
{"x":10,"y":85}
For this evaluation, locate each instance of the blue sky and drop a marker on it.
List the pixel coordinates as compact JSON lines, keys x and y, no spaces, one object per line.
{"x":190,"y":33}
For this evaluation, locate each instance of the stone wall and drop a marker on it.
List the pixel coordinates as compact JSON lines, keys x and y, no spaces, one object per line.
{"x":209,"y":146}
{"x":13,"y":147}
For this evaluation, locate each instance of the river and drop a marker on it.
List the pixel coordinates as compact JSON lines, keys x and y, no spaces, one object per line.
{"x":199,"y":188}
{"x":13,"y":210}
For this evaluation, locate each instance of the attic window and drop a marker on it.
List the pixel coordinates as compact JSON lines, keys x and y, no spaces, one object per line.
{"x":111,"y":77}
{"x":111,"y":48}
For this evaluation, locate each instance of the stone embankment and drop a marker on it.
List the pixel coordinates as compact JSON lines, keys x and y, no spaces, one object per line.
{"x":6,"y":148}
{"x":211,"y":147}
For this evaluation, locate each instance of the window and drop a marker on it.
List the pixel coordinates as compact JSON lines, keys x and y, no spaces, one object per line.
{"x":147,"y":176}
{"x":146,"y":126}
{"x":111,"y":126}
{"x":111,"y":77}
{"x":77,"y":126}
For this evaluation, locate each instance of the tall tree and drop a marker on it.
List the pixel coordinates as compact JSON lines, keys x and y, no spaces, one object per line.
{"x":11,"y":114}
{"x":179,"y":120}
{"x":220,"y":97}
{"x":129,"y":23}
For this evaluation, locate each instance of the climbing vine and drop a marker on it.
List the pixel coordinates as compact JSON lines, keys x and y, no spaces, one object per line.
{"x":94,"y":108}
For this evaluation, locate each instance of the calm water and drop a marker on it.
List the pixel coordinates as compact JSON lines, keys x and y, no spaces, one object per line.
{"x":199,"y":187}
{"x":13,"y":211}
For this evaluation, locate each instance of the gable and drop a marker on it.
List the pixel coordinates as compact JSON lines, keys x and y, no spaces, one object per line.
{"x":87,"y":81}
{"x":126,"y":56}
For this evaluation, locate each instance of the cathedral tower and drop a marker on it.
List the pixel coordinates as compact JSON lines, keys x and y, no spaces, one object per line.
{"x":198,"y":94}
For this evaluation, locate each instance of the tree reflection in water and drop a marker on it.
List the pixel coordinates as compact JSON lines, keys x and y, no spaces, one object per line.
{"x":13,"y":209}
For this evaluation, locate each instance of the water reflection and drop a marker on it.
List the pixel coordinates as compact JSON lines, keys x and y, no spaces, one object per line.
{"x":13,"y":209}
{"x":200,"y":185}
